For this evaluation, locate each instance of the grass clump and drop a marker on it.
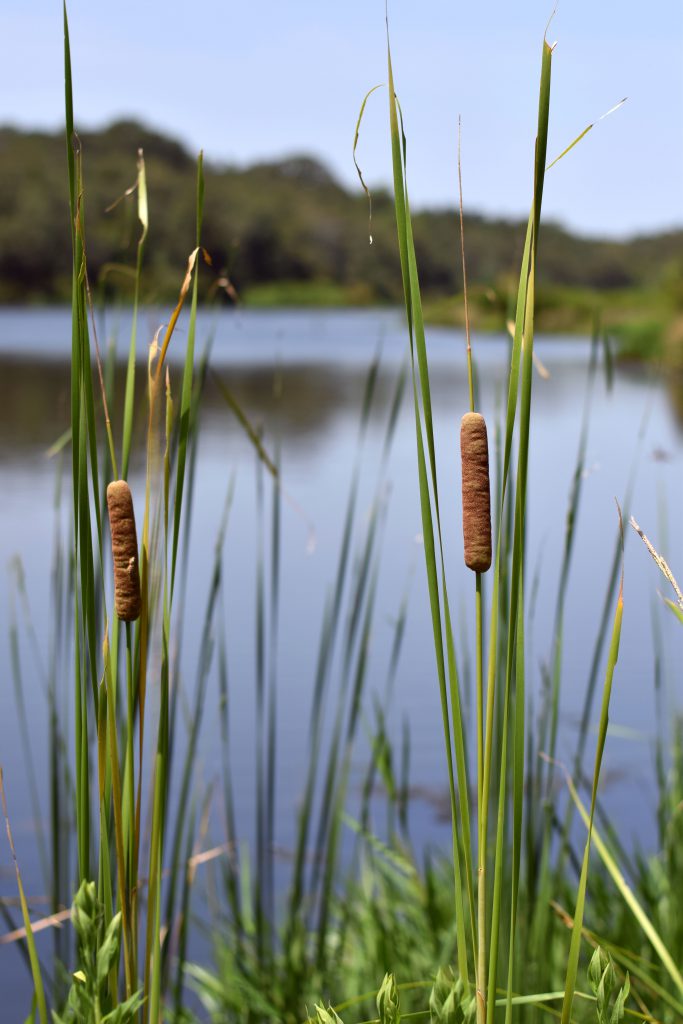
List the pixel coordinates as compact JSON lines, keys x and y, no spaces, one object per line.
{"x":90,"y":998}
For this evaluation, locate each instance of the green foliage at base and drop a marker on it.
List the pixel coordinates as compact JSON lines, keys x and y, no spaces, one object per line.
{"x":90,"y":997}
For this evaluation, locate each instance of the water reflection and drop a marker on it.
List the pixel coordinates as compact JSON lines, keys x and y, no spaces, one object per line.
{"x":302,"y":377}
{"x":298,"y":403}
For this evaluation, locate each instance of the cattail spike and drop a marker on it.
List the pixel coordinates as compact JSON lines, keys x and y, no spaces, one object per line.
{"x":476,"y":494}
{"x":124,"y":547}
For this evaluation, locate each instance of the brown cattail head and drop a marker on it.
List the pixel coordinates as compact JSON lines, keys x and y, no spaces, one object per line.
{"x":476,"y":494}
{"x":124,"y":548}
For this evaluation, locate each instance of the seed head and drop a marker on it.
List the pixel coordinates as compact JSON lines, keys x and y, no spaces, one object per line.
{"x":124,"y":549}
{"x":476,"y":494}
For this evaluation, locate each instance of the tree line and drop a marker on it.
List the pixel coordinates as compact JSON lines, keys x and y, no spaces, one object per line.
{"x":286,"y":222}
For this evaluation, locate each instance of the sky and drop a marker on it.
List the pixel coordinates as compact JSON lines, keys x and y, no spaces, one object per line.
{"x":250,"y":80}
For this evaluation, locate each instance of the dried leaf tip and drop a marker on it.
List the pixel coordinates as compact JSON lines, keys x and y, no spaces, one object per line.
{"x":476,"y":493}
{"x":124,"y":549}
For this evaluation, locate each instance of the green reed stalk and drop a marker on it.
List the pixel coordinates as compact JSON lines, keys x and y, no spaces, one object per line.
{"x":129,"y":399}
{"x":431,"y":517}
{"x":611,"y":591}
{"x":152,"y":962}
{"x":422,"y":399}
{"x":84,"y":450}
{"x":541,"y":890}
{"x":330,"y":624}
{"x":273,"y":636}
{"x":129,"y":785}
{"x":188,"y":878}
{"x":17,"y":679}
{"x":260,"y":705}
{"x":197,"y":709}
{"x":338,"y":793}
{"x":153,"y":959}
{"x":515,"y":625}
{"x":573,"y":960}
{"x":61,"y":786}
{"x":109,"y":721}
{"x":39,"y":991}
{"x":479,"y":625}
{"x":360,"y":597}
{"x":188,"y":371}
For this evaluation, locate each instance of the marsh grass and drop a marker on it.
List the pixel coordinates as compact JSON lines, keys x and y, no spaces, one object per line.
{"x":481,"y":933}
{"x":490,"y":951}
{"x":111,"y":708}
{"x":126,"y":683}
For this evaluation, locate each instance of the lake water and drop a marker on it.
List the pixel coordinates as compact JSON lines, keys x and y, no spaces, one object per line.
{"x":318,"y":363}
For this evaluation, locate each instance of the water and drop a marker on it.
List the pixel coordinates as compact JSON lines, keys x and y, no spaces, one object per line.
{"x":317,"y":363}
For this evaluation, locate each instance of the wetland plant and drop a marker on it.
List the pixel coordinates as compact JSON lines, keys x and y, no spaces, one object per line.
{"x":458,"y":938}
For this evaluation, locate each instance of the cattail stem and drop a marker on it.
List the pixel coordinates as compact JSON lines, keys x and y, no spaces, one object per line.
{"x":124,"y":545}
{"x":480,"y":964}
{"x":470,"y":378}
{"x":476,"y":522}
{"x":129,"y":803}
{"x":480,"y":689}
{"x":476,"y":494}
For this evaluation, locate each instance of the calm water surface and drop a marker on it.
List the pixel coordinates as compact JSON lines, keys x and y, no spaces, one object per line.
{"x":316,"y":363}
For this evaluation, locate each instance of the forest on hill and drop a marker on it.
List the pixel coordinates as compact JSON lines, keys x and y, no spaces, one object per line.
{"x":285,"y":232}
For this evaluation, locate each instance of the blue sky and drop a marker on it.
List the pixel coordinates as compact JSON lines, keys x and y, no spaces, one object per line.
{"x":261,"y":79}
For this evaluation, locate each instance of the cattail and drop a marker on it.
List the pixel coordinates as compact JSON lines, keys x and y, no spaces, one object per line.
{"x":476,"y":496}
{"x":124,"y":548}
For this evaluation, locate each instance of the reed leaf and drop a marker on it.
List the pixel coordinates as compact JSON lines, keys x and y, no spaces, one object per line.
{"x":39,"y":991}
{"x":422,"y":407}
{"x":573,"y":960}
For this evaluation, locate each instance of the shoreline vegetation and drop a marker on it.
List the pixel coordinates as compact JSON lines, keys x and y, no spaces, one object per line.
{"x":287,"y":234}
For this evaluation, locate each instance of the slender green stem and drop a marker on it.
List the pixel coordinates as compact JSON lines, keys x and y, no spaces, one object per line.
{"x":118,"y":823}
{"x":481,"y":911}
{"x":129,"y":400}
{"x":480,"y":691}
{"x":129,"y":780}
{"x":470,"y":376}
{"x":98,"y":359}
{"x":481,"y":884}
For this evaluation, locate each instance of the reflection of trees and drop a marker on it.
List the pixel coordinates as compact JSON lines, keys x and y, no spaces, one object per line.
{"x":303,"y":402}
{"x":34,"y":405}
{"x":299,"y":402}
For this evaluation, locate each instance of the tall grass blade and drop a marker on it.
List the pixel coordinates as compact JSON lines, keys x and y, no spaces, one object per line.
{"x":30,"y":941}
{"x":627,"y":893}
{"x":573,"y":960}
{"x":186,"y":394}
{"x":129,"y":399}
{"x":515,"y":646}
{"x":422,"y":404}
